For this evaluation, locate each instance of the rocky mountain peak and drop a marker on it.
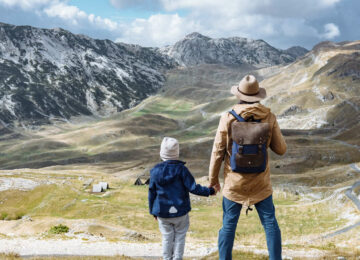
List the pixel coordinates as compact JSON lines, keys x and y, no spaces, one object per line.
{"x":196,"y":49}
{"x":196,"y":35}
{"x":297,"y":51}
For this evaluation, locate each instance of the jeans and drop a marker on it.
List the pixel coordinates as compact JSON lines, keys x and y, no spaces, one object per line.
{"x":266,"y":211}
{"x":173,"y":232}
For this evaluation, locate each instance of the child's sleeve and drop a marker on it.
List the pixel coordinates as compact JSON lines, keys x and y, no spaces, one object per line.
{"x":152,"y":194}
{"x":194,"y":188}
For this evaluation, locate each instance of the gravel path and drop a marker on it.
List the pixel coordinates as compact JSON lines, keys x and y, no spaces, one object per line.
{"x":77,"y":247}
{"x":36,"y":247}
{"x":349,"y":193}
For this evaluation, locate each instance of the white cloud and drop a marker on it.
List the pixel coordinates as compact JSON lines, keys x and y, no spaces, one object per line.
{"x":60,"y":9}
{"x":329,"y":2}
{"x":280,"y":22}
{"x":278,"y":8}
{"x":145,"y":4}
{"x":75,"y":16}
{"x":65,"y":12}
{"x":259,"y":19}
{"x":331,"y":31}
{"x":26,"y":4}
{"x":158,"y":30}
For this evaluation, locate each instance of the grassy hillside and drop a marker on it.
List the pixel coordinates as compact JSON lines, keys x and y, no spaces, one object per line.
{"x":124,"y":208}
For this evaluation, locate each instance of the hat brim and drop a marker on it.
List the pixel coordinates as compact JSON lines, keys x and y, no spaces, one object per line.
{"x":253,"y":98}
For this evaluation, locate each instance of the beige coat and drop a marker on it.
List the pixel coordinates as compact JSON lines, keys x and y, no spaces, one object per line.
{"x":246,"y":189}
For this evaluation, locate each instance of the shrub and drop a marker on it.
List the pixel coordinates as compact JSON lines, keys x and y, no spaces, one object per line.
{"x":3,"y":216}
{"x":11,"y":216}
{"x":59,"y":229}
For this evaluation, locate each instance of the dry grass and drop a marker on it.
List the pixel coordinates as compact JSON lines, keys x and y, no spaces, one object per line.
{"x":125,"y":206}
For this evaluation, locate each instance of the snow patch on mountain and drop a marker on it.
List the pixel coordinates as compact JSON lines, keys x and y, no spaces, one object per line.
{"x":7,"y":104}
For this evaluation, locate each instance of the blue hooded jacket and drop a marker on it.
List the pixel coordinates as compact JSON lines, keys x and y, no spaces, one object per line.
{"x":170,"y":184}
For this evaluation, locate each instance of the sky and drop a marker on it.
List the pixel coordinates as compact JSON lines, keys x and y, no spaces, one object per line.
{"x":156,"y":23}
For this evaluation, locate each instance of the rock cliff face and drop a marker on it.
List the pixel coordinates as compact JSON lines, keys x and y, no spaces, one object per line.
{"x":47,"y":74}
{"x":197,"y":49}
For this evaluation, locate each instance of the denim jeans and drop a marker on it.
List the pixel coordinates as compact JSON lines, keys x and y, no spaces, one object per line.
{"x":173,"y":232}
{"x":266,"y":211}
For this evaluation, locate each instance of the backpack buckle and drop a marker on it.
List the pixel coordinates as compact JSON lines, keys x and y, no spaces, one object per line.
{"x":241,"y":147}
{"x":241,"y":141}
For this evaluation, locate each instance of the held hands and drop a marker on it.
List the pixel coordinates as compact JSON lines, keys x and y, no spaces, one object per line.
{"x":216,"y":188}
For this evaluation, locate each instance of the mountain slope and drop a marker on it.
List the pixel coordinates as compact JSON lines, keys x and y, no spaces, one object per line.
{"x":56,"y":74}
{"x":197,"y":49}
{"x":320,"y":90}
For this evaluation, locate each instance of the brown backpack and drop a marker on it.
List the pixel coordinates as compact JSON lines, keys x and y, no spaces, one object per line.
{"x":249,"y":151}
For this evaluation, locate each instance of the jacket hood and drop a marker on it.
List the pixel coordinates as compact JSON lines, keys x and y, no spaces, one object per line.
{"x":166,"y":177}
{"x":257,"y":110}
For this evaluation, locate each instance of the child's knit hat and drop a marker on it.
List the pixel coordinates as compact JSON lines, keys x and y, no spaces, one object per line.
{"x":169,"y":149}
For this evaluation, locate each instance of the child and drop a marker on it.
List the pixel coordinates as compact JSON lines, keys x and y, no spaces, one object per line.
{"x":169,"y":201}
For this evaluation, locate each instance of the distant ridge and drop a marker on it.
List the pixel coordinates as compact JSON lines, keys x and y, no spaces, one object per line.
{"x":197,"y":49}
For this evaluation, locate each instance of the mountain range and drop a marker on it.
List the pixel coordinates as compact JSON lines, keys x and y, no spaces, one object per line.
{"x":47,"y":74}
{"x":52,"y":74}
{"x":197,"y":49}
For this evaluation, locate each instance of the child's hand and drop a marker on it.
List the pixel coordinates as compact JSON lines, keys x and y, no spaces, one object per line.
{"x":213,"y":191}
{"x":216,"y":187}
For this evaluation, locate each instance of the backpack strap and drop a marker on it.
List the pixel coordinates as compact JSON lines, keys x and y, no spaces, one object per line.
{"x":238,"y":118}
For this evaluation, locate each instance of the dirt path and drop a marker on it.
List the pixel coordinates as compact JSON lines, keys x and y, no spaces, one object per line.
{"x":77,"y":247}
{"x":332,"y":196}
{"x":39,"y":247}
{"x":349,"y":193}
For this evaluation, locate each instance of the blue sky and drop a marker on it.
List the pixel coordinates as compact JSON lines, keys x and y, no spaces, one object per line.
{"x":282,"y":23}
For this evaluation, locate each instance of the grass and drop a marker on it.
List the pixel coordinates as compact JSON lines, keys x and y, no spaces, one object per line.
{"x":189,"y":135}
{"x":17,"y":203}
{"x":125,"y":205}
{"x":167,"y":107}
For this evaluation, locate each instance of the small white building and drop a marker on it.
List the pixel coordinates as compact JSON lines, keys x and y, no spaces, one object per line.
{"x":104,"y":185}
{"x":97,"y":188}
